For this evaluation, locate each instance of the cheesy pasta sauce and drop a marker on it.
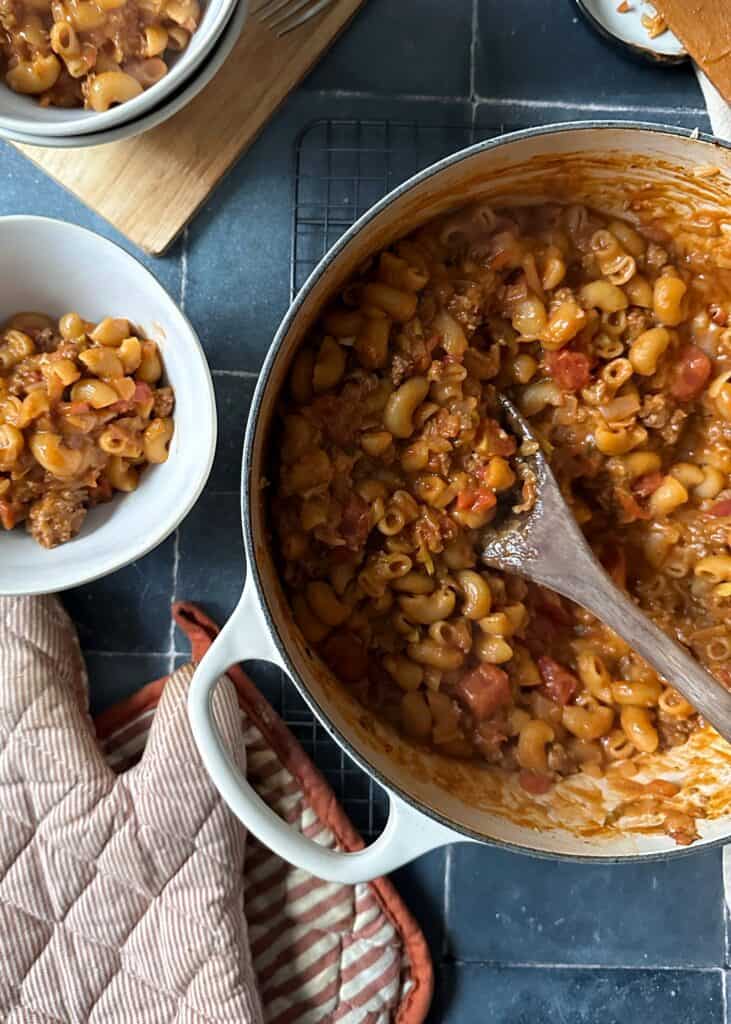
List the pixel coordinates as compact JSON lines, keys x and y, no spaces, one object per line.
{"x":393,"y":460}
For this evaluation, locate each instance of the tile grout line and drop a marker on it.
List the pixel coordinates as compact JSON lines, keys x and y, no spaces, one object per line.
{"x":176,"y":539}
{"x":176,"y":565}
{"x":446,"y":906}
{"x":725,"y":869}
{"x":184,"y":268}
{"x":125,"y":654}
{"x":543,"y":966}
{"x":724,"y":997}
{"x":246,"y":374}
{"x":473,"y":62}
{"x":636,"y":108}
{"x":512,"y":101}
{"x":134,"y":654}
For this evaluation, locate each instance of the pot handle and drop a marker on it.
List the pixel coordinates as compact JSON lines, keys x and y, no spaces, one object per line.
{"x":408,"y":833}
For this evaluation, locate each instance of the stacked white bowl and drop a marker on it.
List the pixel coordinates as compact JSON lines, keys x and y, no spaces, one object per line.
{"x":100,"y":279}
{"x":23,"y":120}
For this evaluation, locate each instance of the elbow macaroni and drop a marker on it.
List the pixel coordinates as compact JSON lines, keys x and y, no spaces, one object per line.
{"x":393,"y":462}
{"x":92,"y":53}
{"x":77,"y":419}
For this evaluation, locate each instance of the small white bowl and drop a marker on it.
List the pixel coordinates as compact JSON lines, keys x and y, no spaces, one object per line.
{"x":53,"y":267}
{"x":626,"y":29}
{"x":210,"y":67}
{"x":24,"y":115}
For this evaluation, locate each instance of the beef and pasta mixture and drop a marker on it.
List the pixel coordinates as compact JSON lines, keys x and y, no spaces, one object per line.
{"x":82,"y":412}
{"x":393,"y":462}
{"x":91,"y":53}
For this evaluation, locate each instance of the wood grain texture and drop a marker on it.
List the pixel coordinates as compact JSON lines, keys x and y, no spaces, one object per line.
{"x":704,"y":28}
{"x":149,"y":187}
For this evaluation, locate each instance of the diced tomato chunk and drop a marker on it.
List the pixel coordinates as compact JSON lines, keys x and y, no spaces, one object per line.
{"x":121,"y":406}
{"x":555,"y":607}
{"x":535,"y":783}
{"x":630,"y":508}
{"x":615,"y":562}
{"x":721,"y":508}
{"x":646,"y":485}
{"x":558,"y":683}
{"x":79,"y":408}
{"x":491,"y":733}
{"x":142,"y":392}
{"x":8,"y":515}
{"x":497,"y":441}
{"x":479,"y":499}
{"x":570,"y":370}
{"x":346,"y":655}
{"x":690,"y":373}
{"x":484,"y":690}
{"x":355,"y":522}
{"x":465,"y":499}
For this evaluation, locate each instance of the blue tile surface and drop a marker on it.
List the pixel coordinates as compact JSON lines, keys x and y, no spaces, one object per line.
{"x":239,"y":247}
{"x":129,"y":610}
{"x":471,"y":994}
{"x":426,"y":55}
{"x":233,"y":398}
{"x":514,"y":940}
{"x":214,"y":582}
{"x":619,"y":915}
{"x":421,"y":884}
{"x":509,"y":115}
{"x":112,"y":677}
{"x":237,"y":284}
{"x":540,"y":52}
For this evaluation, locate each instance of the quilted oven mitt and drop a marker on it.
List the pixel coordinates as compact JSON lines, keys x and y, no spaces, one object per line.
{"x":125,"y":897}
{"x":121,"y":897}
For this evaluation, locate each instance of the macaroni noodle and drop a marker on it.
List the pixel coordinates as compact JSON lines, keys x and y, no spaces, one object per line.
{"x":393,"y":461}
{"x":91,"y":53}
{"x":78,"y":419}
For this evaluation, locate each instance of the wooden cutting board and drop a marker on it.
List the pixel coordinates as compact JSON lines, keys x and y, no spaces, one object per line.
{"x":149,"y":187}
{"x":704,"y":28}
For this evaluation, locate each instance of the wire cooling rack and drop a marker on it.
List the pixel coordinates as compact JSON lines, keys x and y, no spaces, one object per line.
{"x":341,"y":169}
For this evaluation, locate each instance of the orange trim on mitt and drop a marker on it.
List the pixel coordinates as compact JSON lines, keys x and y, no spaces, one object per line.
{"x":201,"y":631}
{"x":107,"y":722}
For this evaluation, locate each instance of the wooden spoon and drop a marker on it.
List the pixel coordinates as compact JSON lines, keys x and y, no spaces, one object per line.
{"x":546,"y":545}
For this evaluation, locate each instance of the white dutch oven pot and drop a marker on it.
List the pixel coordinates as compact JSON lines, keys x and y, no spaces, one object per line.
{"x":435,"y":800}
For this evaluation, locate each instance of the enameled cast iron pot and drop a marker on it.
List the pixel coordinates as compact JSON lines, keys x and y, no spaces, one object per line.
{"x":655,"y":175}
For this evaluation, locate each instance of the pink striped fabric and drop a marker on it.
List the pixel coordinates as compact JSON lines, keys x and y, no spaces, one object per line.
{"x":125,"y":892}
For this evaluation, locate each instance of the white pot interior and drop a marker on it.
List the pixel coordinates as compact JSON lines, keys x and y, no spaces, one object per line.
{"x":645,"y":174}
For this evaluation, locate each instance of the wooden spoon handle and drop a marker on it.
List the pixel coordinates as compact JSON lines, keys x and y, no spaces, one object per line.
{"x":591,"y":587}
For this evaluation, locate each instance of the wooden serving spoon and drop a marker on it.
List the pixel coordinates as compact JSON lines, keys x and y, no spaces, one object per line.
{"x":546,"y":545}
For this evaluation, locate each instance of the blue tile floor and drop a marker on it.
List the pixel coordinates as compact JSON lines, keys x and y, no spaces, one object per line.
{"x":514,"y":940}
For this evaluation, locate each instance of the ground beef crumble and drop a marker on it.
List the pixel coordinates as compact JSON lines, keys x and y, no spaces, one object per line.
{"x":57,"y":517}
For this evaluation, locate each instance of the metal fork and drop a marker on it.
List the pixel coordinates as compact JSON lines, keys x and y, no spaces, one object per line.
{"x":283,"y":16}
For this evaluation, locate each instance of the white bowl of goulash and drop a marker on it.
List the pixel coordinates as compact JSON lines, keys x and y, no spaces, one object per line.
{"x":584,"y":270}
{"x":77,"y":67}
{"x":107,"y":414}
{"x":158,"y":114}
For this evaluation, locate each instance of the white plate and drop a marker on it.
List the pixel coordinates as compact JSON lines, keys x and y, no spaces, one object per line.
{"x":156,"y":117}
{"x":55,"y":268}
{"x":627,"y":28}
{"x":23,"y":115}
